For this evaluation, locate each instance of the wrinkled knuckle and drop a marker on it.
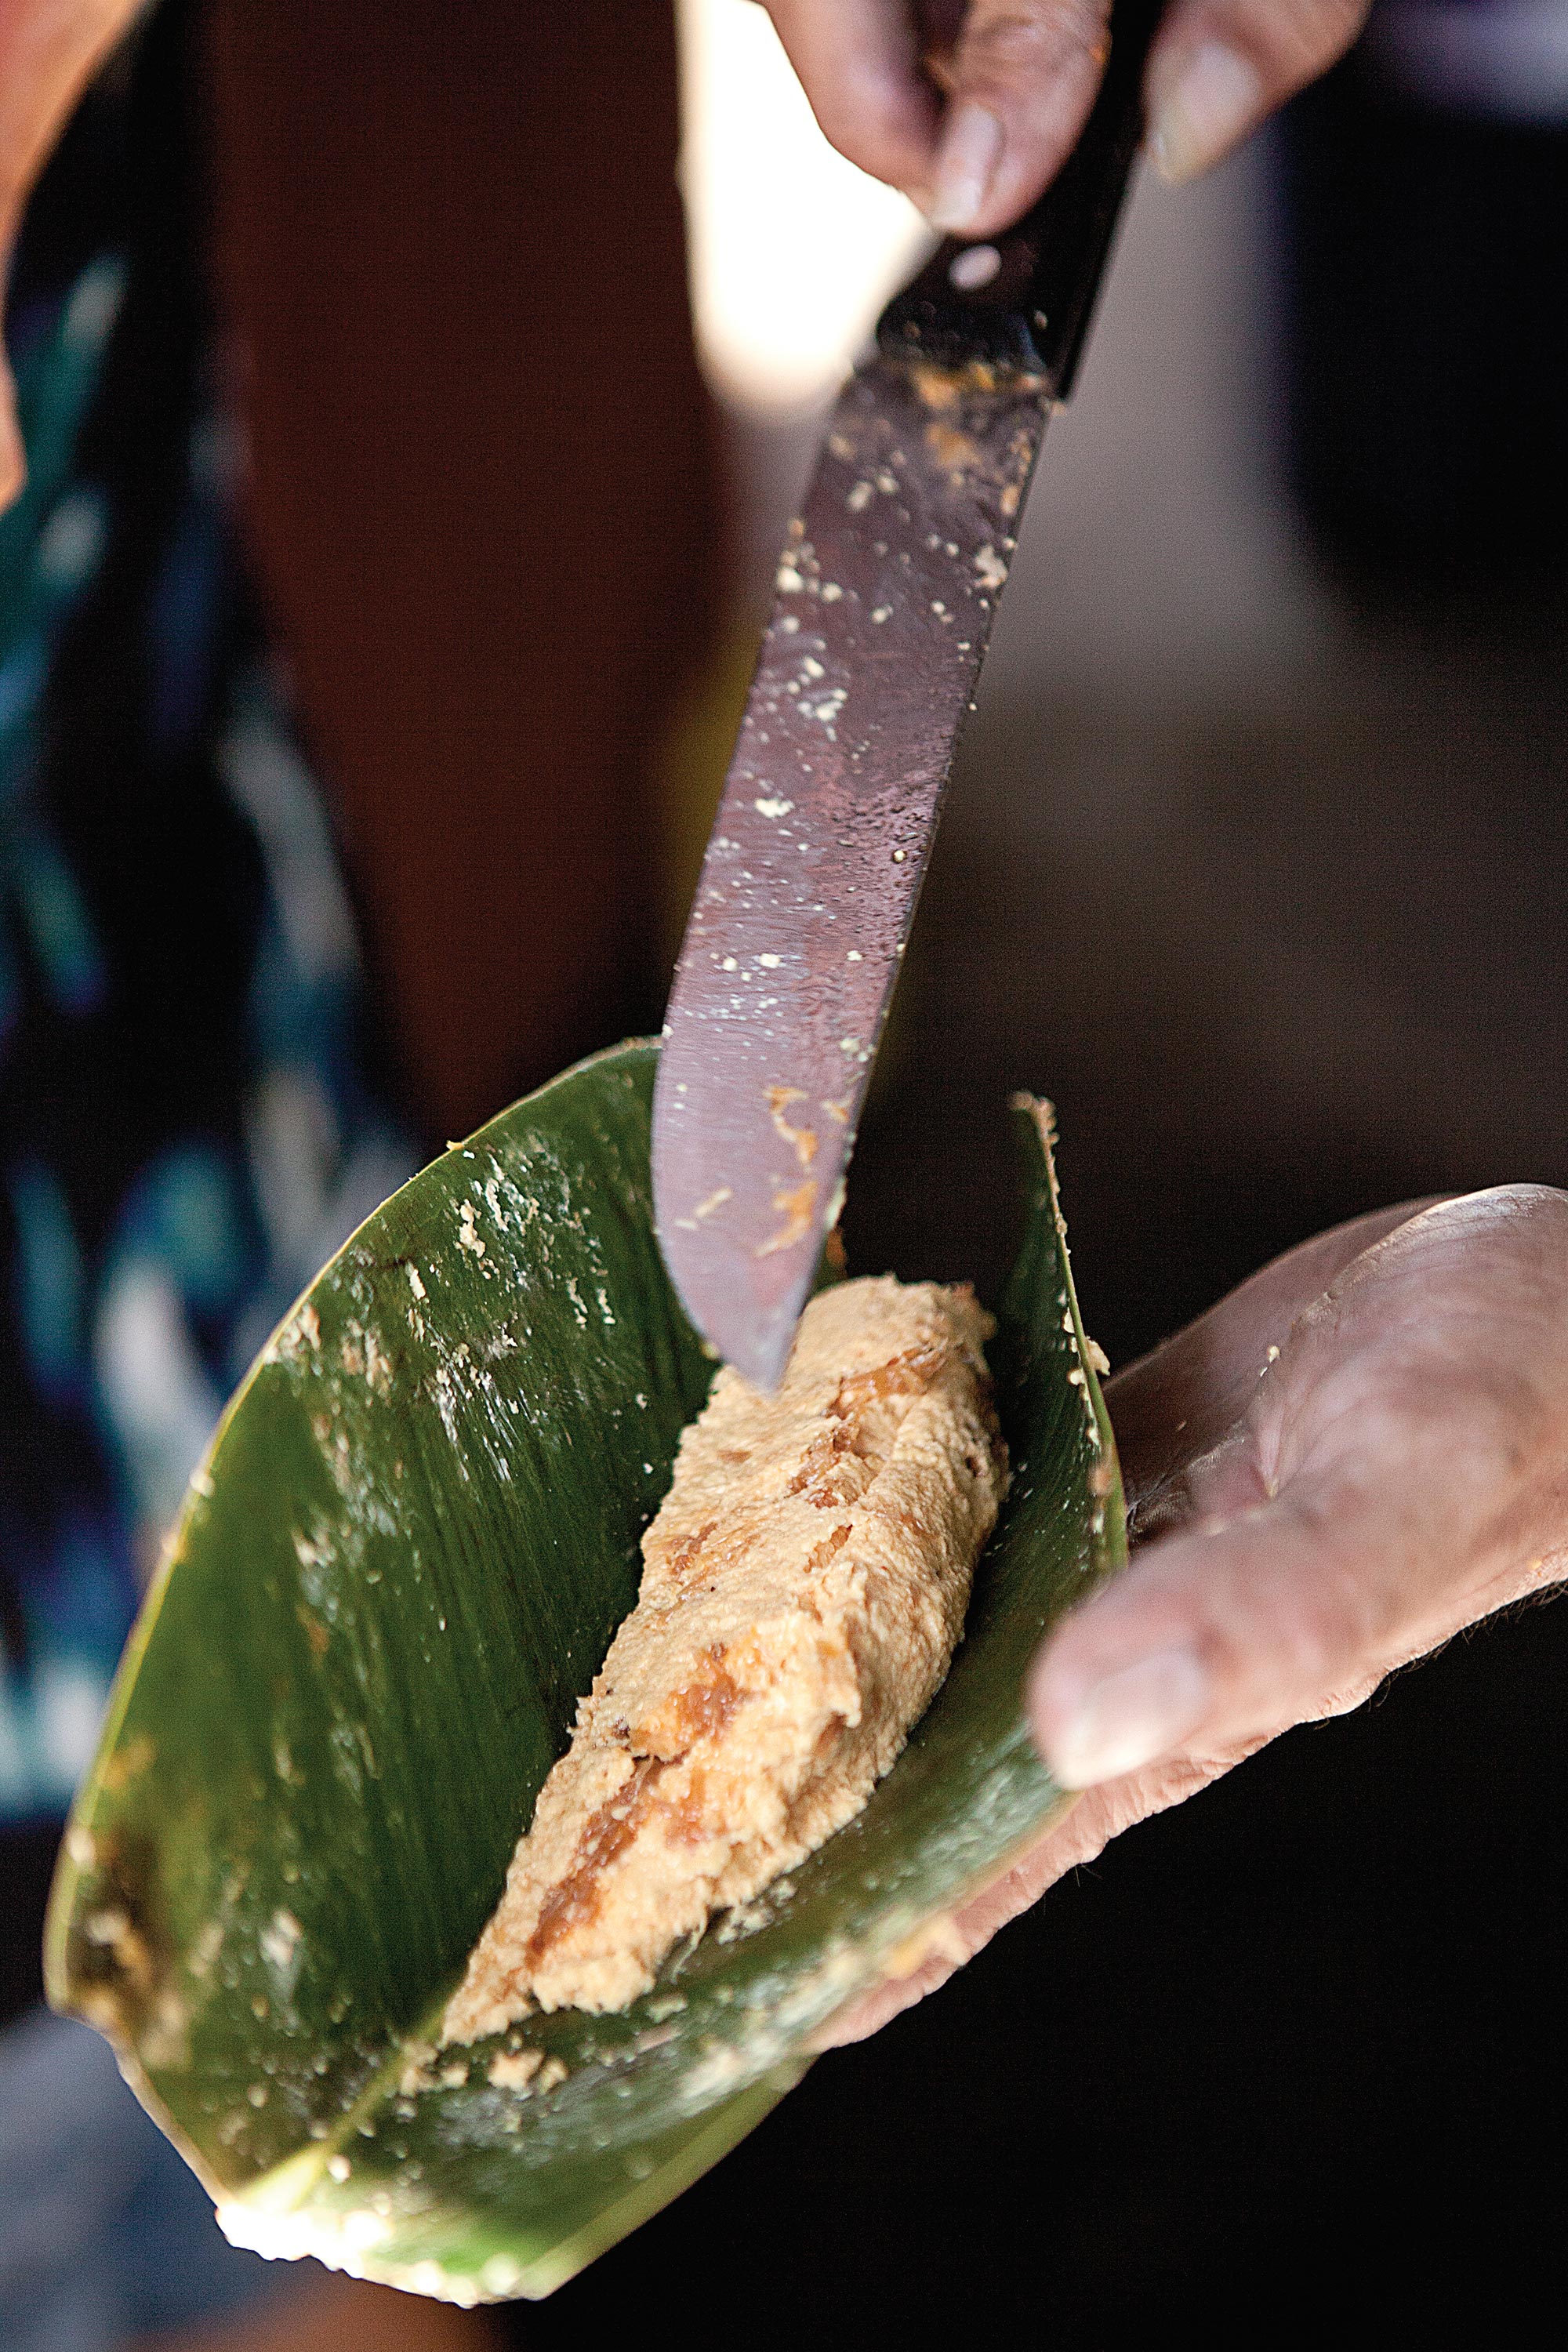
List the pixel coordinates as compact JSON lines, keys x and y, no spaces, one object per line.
{"x":1022,"y":43}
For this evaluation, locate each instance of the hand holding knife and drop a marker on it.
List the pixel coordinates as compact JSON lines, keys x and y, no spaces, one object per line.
{"x":884,"y":597}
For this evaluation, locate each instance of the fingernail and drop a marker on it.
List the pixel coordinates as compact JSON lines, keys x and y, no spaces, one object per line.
{"x":1214,"y":97}
{"x":1130,"y":1718}
{"x":966,"y":164}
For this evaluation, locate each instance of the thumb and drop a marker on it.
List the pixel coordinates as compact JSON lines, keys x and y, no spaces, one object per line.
{"x":1219,"y":1639}
{"x":1019,"y":83}
{"x":1220,"y":66}
{"x":1221,"y":1636}
{"x":1404,"y":1471}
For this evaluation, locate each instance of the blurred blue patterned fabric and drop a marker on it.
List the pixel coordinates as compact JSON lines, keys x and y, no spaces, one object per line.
{"x":104,"y":2234}
{"x":187,"y":1123}
{"x":185,"y":1127}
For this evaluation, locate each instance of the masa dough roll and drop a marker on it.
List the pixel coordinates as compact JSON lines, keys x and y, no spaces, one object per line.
{"x":804,"y":1585}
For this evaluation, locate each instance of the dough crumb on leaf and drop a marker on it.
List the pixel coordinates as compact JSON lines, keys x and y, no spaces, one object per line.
{"x":804,"y":1588}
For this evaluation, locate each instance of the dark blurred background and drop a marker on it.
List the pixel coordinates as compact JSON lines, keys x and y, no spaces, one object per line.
{"x":1256,"y":862}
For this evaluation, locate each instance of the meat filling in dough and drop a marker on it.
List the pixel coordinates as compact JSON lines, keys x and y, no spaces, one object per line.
{"x":803,"y":1587}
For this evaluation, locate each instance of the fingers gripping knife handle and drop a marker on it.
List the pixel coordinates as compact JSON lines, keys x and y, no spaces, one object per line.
{"x":1025,"y":300}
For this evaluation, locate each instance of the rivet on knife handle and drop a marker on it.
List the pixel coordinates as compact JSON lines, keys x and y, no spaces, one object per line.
{"x":885,"y":598}
{"x":1025,"y":299}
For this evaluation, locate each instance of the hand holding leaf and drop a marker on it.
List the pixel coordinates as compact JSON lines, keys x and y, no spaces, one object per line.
{"x":1358,"y":1453}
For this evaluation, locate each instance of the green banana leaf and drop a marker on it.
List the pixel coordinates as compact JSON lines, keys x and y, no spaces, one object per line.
{"x":400,"y":1564}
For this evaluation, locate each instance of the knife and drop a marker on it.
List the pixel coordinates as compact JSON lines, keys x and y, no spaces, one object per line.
{"x":885,"y":596}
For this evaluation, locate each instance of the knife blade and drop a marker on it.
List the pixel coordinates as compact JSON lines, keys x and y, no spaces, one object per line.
{"x":885,"y":596}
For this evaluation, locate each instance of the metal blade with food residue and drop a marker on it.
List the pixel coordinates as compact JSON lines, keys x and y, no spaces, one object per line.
{"x":886,"y":595}
{"x":887,"y":591}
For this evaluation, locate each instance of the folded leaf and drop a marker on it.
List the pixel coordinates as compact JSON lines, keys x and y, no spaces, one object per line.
{"x":398,"y":1568}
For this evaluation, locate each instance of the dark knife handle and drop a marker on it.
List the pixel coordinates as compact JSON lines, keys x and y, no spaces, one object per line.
{"x":1032,"y":311}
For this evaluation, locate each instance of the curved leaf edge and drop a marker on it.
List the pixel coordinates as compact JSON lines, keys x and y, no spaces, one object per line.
{"x":296,"y":2204}
{"x":75,"y":1848}
{"x":278,"y":2218}
{"x":296,"y":2207}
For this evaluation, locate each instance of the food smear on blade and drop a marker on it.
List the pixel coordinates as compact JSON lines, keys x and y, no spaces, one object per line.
{"x":804,"y":1585}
